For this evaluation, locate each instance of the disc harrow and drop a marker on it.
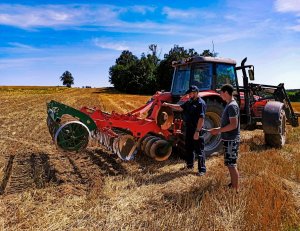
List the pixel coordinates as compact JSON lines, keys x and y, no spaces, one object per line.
{"x":122,"y":134}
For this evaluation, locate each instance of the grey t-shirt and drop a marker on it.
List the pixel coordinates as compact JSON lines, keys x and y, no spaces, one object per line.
{"x":231,"y":110}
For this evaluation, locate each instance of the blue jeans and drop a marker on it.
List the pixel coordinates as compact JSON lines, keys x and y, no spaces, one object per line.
{"x":194,"y":147}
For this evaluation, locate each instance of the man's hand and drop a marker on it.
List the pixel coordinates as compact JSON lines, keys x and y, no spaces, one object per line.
{"x":196,"y":135}
{"x":215,"y":131}
{"x":165,"y":104}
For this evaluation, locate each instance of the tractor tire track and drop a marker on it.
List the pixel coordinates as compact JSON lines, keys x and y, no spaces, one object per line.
{"x":20,"y":178}
{"x":26,"y":171}
{"x":42,"y":172}
{"x":89,"y":174}
{"x":65,"y":173}
{"x":107,"y":163}
{"x":6,"y":174}
{"x":38,"y":170}
{"x":84,"y":172}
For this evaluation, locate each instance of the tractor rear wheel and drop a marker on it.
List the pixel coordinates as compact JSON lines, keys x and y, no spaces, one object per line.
{"x":274,"y":124}
{"x":212,"y":120}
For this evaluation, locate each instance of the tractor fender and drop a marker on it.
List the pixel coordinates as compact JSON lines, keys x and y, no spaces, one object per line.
{"x":204,"y":95}
{"x":271,"y":117}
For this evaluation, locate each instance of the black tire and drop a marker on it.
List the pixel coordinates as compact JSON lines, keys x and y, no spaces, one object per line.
{"x":212,"y":120}
{"x":274,"y":124}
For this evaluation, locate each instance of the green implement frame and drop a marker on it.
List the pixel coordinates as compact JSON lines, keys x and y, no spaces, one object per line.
{"x":56,"y":110}
{"x":69,"y":136}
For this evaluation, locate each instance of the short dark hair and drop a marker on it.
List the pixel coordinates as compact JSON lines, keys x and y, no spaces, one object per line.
{"x":227,"y":87}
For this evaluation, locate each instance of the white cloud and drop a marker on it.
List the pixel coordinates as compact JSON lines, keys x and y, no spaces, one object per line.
{"x":295,"y":28}
{"x":106,"y":18}
{"x":57,"y":15}
{"x":73,"y":15}
{"x":110,"y":45}
{"x":142,"y":9}
{"x":22,"y":46}
{"x":287,"y":6}
{"x":292,"y":7}
{"x":186,"y":14}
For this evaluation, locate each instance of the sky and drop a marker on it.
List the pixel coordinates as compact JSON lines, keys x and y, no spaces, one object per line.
{"x":39,"y":40}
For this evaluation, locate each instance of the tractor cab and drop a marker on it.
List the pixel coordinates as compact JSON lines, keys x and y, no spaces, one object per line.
{"x":207,"y":73}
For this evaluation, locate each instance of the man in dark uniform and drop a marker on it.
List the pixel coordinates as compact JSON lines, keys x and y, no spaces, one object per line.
{"x":193,"y":113}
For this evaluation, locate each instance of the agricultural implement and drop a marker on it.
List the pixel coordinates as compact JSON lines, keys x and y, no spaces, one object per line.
{"x":123,"y":134}
{"x":156,"y":130}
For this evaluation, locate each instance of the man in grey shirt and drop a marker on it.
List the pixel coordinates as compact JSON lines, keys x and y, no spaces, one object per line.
{"x":230,"y":133}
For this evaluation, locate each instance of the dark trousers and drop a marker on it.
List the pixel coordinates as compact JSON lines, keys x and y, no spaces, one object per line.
{"x":194,"y":147}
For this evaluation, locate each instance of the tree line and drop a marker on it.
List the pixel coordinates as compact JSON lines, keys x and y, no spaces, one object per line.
{"x":294,"y":95}
{"x":147,"y":74}
{"x":144,"y":75}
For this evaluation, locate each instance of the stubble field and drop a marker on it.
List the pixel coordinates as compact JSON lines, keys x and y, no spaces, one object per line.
{"x":44,"y":189}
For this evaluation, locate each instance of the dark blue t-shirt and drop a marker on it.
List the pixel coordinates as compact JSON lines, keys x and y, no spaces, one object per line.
{"x":192,"y":111}
{"x":231,"y":110}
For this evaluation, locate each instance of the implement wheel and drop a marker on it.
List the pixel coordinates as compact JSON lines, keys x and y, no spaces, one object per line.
{"x":72,"y":136}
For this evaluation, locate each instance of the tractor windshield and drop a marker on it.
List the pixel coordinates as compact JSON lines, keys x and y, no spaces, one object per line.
{"x":225,"y":75}
{"x":181,"y":80}
{"x":202,"y":76}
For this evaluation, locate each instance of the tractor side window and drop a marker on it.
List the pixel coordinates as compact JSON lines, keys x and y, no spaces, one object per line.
{"x":225,"y":75}
{"x":202,"y":76}
{"x":181,"y":80}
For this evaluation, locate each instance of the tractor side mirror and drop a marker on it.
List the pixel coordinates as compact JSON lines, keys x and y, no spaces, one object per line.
{"x":251,"y":73}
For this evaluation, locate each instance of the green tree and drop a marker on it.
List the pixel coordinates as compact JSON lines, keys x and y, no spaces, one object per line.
{"x":165,"y":69}
{"x":67,"y":79}
{"x":121,"y":73}
{"x":294,"y":96}
{"x":208,"y":53}
{"x":147,"y":74}
{"x":133,"y":75}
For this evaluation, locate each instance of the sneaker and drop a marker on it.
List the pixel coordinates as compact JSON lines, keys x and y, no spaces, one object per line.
{"x":201,"y":173}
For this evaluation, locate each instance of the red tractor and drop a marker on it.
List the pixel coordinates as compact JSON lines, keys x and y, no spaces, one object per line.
{"x":160,"y":129}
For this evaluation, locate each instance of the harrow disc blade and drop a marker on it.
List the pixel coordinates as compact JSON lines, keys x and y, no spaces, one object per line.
{"x":126,"y":147}
{"x":106,"y":140}
{"x":160,"y":150}
{"x":144,"y":142}
{"x":102,"y":138}
{"x":110,"y":143}
{"x":139,"y":142}
{"x":149,"y":144}
{"x":115,"y":146}
{"x":72,"y":136}
{"x":165,"y":117}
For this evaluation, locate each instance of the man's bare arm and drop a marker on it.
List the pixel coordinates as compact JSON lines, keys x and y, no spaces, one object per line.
{"x":231,"y":126}
{"x":173,"y":106}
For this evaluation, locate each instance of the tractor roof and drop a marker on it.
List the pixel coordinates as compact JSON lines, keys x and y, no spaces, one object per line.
{"x":202,"y":59}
